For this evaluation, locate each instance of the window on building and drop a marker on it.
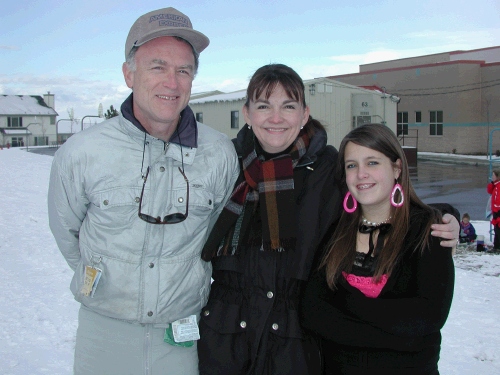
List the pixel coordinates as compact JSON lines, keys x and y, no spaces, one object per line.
{"x":235,"y":119}
{"x":199,"y":116}
{"x":402,"y":123}
{"x":418,"y":116}
{"x":15,"y":122}
{"x":41,"y":141}
{"x":52,"y":120}
{"x":436,"y":122}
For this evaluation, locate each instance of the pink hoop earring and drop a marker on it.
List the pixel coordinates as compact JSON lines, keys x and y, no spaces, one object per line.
{"x":393,"y":193}
{"x":354,"y":206}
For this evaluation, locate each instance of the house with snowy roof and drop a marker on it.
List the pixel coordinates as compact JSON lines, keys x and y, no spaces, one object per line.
{"x":27,"y":120}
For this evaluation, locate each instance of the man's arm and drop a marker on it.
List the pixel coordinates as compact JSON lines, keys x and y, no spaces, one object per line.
{"x":66,"y":210}
{"x":227,"y":180}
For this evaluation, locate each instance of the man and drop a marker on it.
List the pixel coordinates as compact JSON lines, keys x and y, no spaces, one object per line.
{"x":131,"y":202}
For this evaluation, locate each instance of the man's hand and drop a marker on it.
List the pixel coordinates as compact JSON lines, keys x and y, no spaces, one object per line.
{"x":449,"y":230}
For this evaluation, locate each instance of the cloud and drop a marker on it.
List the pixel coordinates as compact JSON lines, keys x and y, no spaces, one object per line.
{"x":11,"y":48}
{"x":425,"y":42}
{"x":84,"y":96}
{"x":458,"y":39}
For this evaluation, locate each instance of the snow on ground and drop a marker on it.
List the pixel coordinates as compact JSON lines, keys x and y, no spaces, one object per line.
{"x":38,"y":316}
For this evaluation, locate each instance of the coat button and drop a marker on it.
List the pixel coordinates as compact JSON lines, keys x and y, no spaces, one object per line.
{"x":137,"y":199}
{"x":150,"y":313}
{"x":270,"y":295}
{"x":106,"y":202}
{"x":151,"y":265}
{"x":275,"y":326}
{"x":162,"y":169}
{"x":243,"y":324}
{"x":206,"y":312}
{"x":180,"y":199}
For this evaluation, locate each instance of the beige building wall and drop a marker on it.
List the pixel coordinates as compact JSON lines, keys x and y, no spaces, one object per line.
{"x":468,"y":92}
{"x":217,"y":114}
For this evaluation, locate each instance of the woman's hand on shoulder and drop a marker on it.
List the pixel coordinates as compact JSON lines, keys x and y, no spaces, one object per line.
{"x":448,"y":230}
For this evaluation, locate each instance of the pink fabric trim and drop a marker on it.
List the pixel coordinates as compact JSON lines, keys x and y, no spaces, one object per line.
{"x":366,"y":284}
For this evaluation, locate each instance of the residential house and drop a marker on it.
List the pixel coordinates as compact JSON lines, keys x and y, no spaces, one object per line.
{"x":27,"y":120}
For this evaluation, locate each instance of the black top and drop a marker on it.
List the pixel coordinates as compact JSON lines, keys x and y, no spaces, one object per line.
{"x":250,"y":324}
{"x":398,"y":330}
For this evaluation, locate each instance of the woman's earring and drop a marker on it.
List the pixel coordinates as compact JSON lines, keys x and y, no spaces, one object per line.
{"x":393,"y":193}
{"x":249,"y":126}
{"x":354,"y":206}
{"x":302,"y":127}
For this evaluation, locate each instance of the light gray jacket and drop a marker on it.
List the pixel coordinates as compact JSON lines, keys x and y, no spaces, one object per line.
{"x":150,"y":273}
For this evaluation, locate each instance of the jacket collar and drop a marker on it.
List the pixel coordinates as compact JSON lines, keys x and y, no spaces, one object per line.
{"x":187,"y":128}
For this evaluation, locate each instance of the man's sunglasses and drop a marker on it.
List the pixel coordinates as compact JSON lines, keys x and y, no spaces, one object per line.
{"x":169,"y":219}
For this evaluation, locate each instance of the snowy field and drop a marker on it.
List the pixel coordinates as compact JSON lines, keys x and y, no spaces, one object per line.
{"x":38,"y":316}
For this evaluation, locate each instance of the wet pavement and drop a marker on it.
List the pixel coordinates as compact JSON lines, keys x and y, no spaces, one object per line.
{"x":50,"y":151}
{"x":461,"y":185}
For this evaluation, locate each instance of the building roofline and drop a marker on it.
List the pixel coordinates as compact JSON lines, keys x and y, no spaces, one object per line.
{"x":456,"y":52}
{"x":474,"y":62}
{"x":472,"y":50}
{"x":490,"y":64}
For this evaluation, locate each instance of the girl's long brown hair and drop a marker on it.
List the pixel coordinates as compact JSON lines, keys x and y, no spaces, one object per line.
{"x":342,"y":246}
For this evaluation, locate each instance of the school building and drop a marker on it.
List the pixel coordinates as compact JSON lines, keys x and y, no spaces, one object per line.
{"x":450,"y":101}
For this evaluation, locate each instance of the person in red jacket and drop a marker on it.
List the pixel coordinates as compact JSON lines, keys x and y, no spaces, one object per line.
{"x":493,"y":188}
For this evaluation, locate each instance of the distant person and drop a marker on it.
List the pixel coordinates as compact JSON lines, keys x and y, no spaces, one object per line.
{"x":131,"y":203}
{"x":493,"y":189}
{"x":385,"y":286}
{"x":467,"y":230}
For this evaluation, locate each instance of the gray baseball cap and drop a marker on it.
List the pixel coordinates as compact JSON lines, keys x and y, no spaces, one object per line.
{"x":164,"y":22}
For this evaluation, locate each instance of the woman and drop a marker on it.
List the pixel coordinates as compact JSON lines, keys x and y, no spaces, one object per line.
{"x":268,"y":240}
{"x":493,"y":189}
{"x":385,"y":285}
{"x":264,"y":244}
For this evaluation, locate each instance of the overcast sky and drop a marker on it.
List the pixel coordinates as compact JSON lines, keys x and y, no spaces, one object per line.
{"x":75,"y":49}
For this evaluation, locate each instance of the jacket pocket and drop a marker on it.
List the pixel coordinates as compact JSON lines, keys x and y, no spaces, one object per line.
{"x":224,"y":318}
{"x":200,"y":200}
{"x":116,"y":295}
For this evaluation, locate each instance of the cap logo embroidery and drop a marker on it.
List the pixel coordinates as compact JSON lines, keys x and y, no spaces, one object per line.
{"x":170,"y":20}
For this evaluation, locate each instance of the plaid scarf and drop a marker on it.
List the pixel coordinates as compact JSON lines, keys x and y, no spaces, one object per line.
{"x":270,"y":183}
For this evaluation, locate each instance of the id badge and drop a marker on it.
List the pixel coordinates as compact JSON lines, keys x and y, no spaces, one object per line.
{"x":92,"y":277}
{"x":183,"y":332}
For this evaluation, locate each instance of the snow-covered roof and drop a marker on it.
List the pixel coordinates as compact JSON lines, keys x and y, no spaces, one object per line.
{"x":203,"y":94}
{"x":22,"y":105}
{"x":241,"y":94}
{"x":228,"y":97}
{"x":20,"y":131}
